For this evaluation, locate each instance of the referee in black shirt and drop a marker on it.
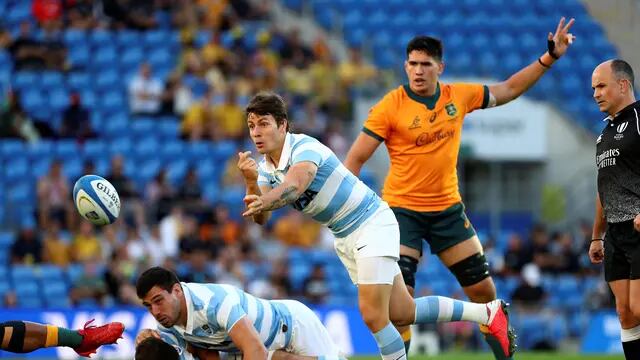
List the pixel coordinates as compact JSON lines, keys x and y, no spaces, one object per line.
{"x":618,"y":197}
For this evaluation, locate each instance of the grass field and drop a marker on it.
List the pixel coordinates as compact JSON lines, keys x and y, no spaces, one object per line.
{"x":519,"y":356}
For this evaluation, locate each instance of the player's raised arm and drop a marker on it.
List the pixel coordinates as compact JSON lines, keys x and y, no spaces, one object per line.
{"x":298,"y":178}
{"x":521,"y":81}
{"x":249,"y":169}
{"x":360,"y":152}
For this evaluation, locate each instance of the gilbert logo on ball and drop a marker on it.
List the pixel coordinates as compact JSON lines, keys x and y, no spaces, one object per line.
{"x":96,"y":200}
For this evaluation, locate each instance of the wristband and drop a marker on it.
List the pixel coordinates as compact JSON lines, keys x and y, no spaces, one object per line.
{"x":592,"y":240}
{"x":543,"y":64}
{"x":551,"y":45}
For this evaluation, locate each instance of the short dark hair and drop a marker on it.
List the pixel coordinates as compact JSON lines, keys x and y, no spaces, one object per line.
{"x":155,"y":276}
{"x":622,"y":70}
{"x":269,"y":103}
{"x":153,"y":348}
{"x":428,"y":44}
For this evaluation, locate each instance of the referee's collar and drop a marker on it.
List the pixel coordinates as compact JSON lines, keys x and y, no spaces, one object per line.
{"x":633,"y":105}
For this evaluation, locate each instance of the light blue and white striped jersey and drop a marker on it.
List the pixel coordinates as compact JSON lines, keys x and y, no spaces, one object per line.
{"x":213,"y":310}
{"x":335,"y":198}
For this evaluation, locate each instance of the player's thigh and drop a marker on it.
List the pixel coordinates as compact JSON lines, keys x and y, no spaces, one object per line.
{"x":413,"y":227}
{"x":378,"y":237}
{"x":310,"y":337}
{"x":452,"y":236}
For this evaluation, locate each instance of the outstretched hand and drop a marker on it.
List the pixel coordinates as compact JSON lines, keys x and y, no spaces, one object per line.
{"x":562,"y":38}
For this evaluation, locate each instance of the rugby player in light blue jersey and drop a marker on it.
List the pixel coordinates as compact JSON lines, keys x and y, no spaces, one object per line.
{"x":300,"y":171}
{"x":225,"y":319}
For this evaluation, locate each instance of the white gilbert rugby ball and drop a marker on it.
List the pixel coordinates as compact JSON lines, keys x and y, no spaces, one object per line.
{"x":96,"y":200}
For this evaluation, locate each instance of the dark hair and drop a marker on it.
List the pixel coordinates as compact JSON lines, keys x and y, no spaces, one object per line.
{"x":269,"y":103}
{"x":153,"y":348}
{"x":430,"y":45}
{"x":622,"y":70}
{"x":155,"y":276}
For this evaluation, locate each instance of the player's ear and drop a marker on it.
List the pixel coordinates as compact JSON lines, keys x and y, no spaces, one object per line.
{"x":440,"y":67}
{"x":176,"y":288}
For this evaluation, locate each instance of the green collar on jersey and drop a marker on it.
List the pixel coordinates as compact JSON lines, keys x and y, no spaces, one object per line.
{"x":428,"y":101}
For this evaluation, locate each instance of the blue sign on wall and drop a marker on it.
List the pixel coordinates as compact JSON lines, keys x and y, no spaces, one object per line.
{"x":603,"y":334}
{"x":344,"y":324}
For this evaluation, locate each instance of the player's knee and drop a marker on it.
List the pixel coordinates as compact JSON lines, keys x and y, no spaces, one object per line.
{"x":371,"y":315}
{"x":408,"y":267}
{"x":626,"y":316}
{"x":471,"y":270}
{"x":15,"y":343}
{"x":402,"y":318}
{"x":481,"y":292}
{"x":634,"y":308}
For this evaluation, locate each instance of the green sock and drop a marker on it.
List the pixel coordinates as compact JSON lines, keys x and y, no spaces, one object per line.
{"x":70,"y":338}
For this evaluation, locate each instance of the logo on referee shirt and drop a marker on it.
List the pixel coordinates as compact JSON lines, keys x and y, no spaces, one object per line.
{"x":621,"y":128}
{"x":451,"y":109}
{"x":416,"y":123}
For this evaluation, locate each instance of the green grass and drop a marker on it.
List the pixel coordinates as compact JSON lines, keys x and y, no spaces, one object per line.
{"x":518,"y":356}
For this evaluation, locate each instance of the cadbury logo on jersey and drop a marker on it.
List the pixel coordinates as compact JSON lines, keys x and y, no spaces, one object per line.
{"x":427,"y":138}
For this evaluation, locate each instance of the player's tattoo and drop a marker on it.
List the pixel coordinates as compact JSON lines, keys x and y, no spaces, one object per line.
{"x":289,"y":195}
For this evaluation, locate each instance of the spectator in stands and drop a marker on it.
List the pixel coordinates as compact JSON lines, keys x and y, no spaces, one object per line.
{"x":190,"y":194}
{"x":47,"y":12}
{"x":228,"y":267}
{"x":86,"y":245}
{"x":355,"y":72}
{"x":280,"y":279}
{"x":134,"y":211}
{"x":196,"y":120}
{"x":89,"y":287}
{"x":529,"y":295}
{"x":170,"y":231}
{"x":229,"y":116}
{"x":153,"y":240}
{"x":137,"y":249}
{"x":159,"y":195}
{"x":27,"y":53}
{"x":229,"y":229}
{"x":75,"y":120}
{"x":55,"y":50}
{"x":199,"y":269}
{"x":55,"y":249}
{"x":541,"y":248}
{"x":53,"y":196}
{"x":295,"y":229}
{"x":145,"y":92}
{"x":568,"y":259}
{"x":27,"y":248}
{"x":136,"y":15}
{"x":315,"y":288}
{"x":518,"y":254}
{"x":191,"y":242}
{"x":336,"y":140}
{"x":118,"y":277}
{"x":79,"y":14}
{"x":15,"y":122}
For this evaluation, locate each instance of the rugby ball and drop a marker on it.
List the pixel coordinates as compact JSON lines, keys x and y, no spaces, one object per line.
{"x":96,"y":200}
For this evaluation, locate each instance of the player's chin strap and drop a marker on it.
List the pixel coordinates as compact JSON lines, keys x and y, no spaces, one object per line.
{"x":270,"y":355}
{"x":551,"y":46}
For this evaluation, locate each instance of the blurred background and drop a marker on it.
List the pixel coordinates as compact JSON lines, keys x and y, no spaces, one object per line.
{"x":151,"y":96}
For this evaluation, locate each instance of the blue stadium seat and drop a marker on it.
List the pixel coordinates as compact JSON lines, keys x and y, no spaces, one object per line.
{"x":74,"y":272}
{"x":115,"y":126}
{"x":176,"y":170}
{"x":127,"y":39}
{"x":50,"y":273}
{"x":33,"y":99}
{"x":78,"y":81}
{"x":108,"y":80}
{"x":199,"y":151}
{"x":168,"y":129}
{"x":58,"y":99}
{"x":39,"y":150}
{"x":21,"y":193}
{"x":113,"y":102}
{"x":16,"y":171}
{"x":73,"y":38}
{"x":146,"y":148}
{"x":22,"y":274}
{"x":132,"y":57}
{"x":100,"y":38}
{"x":6,"y":239}
{"x":65,"y":149}
{"x":52,"y":80}
{"x":223,"y":150}
{"x":30,"y":302}
{"x":54,"y":288}
{"x":155,"y":39}
{"x":5,"y":287}
{"x":58,"y":302}
{"x":120,"y":146}
{"x":94,"y":149}
{"x":73,"y":168}
{"x":143,"y":128}
{"x":147,"y":171}
{"x":104,"y":57}
{"x":79,"y":56}
{"x":172,"y":150}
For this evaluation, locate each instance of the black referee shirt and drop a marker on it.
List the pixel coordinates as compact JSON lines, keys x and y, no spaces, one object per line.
{"x":618,"y":162}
